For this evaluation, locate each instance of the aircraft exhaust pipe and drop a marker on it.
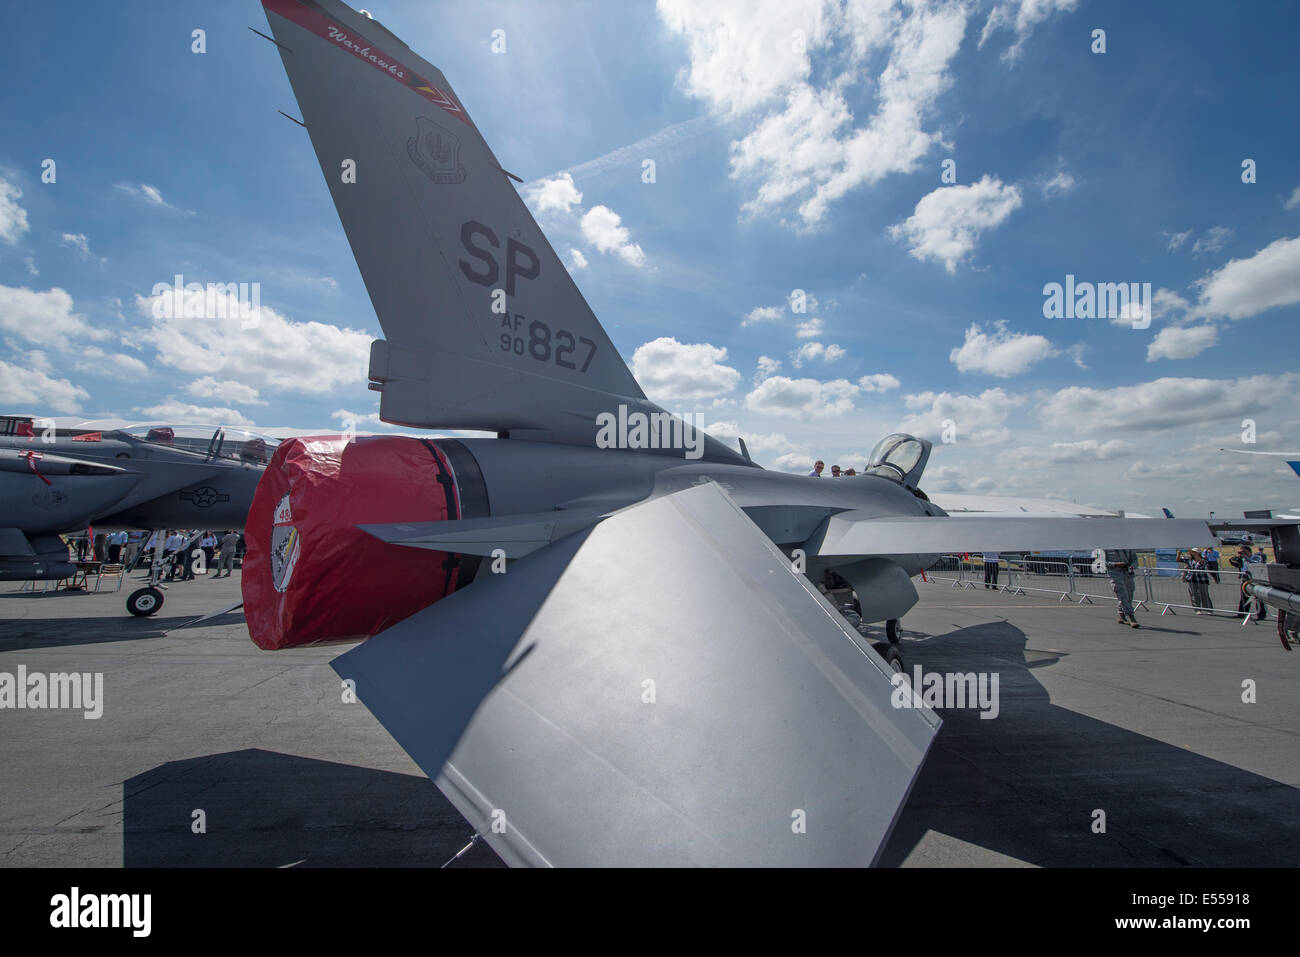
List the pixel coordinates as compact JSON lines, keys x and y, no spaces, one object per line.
{"x":311,"y":574}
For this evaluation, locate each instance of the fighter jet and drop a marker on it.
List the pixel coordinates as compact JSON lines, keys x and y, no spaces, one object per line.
{"x":56,"y":480}
{"x":600,"y":631}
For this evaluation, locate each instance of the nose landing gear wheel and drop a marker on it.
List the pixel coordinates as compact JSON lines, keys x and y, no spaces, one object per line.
{"x":144,"y":602}
{"x":893,"y":657}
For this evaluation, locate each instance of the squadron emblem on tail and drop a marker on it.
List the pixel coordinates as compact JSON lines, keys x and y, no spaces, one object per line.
{"x":436,"y":152}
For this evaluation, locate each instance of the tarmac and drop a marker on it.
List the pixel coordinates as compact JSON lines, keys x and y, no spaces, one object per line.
{"x":1111,"y":747}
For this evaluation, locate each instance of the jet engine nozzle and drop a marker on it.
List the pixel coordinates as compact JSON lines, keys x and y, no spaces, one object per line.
{"x":310,"y":574}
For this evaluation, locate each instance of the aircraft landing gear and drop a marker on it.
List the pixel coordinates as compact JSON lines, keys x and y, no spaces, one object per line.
{"x":893,"y":657}
{"x":892,"y":631}
{"x":144,"y":602}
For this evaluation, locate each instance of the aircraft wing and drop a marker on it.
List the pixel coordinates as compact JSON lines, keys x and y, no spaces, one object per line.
{"x":1001,"y":505}
{"x":857,"y":533}
{"x":660,"y":689}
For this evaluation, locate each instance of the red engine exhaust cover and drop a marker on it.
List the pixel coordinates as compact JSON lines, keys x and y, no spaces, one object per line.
{"x":309,"y":573}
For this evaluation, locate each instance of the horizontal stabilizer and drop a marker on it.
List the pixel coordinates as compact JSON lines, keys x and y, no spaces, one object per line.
{"x":858,"y":533}
{"x":660,"y":689}
{"x":516,"y":535}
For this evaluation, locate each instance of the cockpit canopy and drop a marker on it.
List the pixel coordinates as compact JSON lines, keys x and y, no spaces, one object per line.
{"x":209,"y":440}
{"x":900,"y":458}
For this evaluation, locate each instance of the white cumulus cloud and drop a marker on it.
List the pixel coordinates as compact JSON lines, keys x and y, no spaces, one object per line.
{"x":1247,"y":287}
{"x":948,"y":222}
{"x":810,"y":328}
{"x":802,"y":398}
{"x":1181,"y":342}
{"x":174,"y":410}
{"x":31,"y":389}
{"x":45,"y":318}
{"x":762,"y":314}
{"x":229,"y":390}
{"x":787,"y":66}
{"x":812,"y":351}
{"x":669,"y":370}
{"x":604,"y":229}
{"x":999,"y":353}
{"x":1166,"y":403}
{"x":78,"y":242}
{"x":13,"y":218}
{"x":880,"y":382}
{"x":558,"y":194}
{"x":977,"y":419}
{"x":275,"y":352}
{"x":767,"y":366}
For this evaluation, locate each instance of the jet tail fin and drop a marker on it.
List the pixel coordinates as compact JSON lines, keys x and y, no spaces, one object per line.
{"x":484,"y":327}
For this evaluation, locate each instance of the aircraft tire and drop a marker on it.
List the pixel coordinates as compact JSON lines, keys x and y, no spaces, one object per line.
{"x":144,"y":602}
{"x":893,"y":657}
{"x":892,"y":631}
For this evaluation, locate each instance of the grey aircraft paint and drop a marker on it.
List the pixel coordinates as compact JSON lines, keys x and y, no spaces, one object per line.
{"x":68,"y":479}
{"x":770,"y":738}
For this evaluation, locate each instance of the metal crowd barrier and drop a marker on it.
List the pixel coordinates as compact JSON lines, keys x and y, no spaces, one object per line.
{"x":1077,"y":583}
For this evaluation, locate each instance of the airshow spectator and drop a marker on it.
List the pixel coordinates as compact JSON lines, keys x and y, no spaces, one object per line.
{"x":817,"y":469}
{"x":1211,"y":556}
{"x":1245,"y":557}
{"x":209,"y":545}
{"x":132,"y":549}
{"x":175,"y":540}
{"x":1197,"y":577}
{"x":991,"y":562}
{"x":187,"y":554}
{"x":155,"y":542}
{"x":835,"y":471}
{"x":1121,"y":567}
{"x":229,"y":542}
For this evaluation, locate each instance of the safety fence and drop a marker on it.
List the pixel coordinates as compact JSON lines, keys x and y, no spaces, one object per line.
{"x":1154,"y":589}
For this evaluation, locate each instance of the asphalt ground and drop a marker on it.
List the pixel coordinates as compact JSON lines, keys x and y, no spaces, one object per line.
{"x":1142,"y":731}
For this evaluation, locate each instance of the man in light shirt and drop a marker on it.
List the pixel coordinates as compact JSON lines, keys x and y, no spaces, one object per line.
{"x":174,"y":543}
{"x":1121,"y":568}
{"x":229,"y":542}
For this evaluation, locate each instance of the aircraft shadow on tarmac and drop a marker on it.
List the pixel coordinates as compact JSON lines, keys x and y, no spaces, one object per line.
{"x":1023,"y":785}
{"x":1026,"y":783}
{"x":17,"y":634}
{"x":265,"y":809}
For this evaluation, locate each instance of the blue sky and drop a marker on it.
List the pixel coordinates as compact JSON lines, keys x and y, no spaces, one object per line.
{"x":797,"y":145}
